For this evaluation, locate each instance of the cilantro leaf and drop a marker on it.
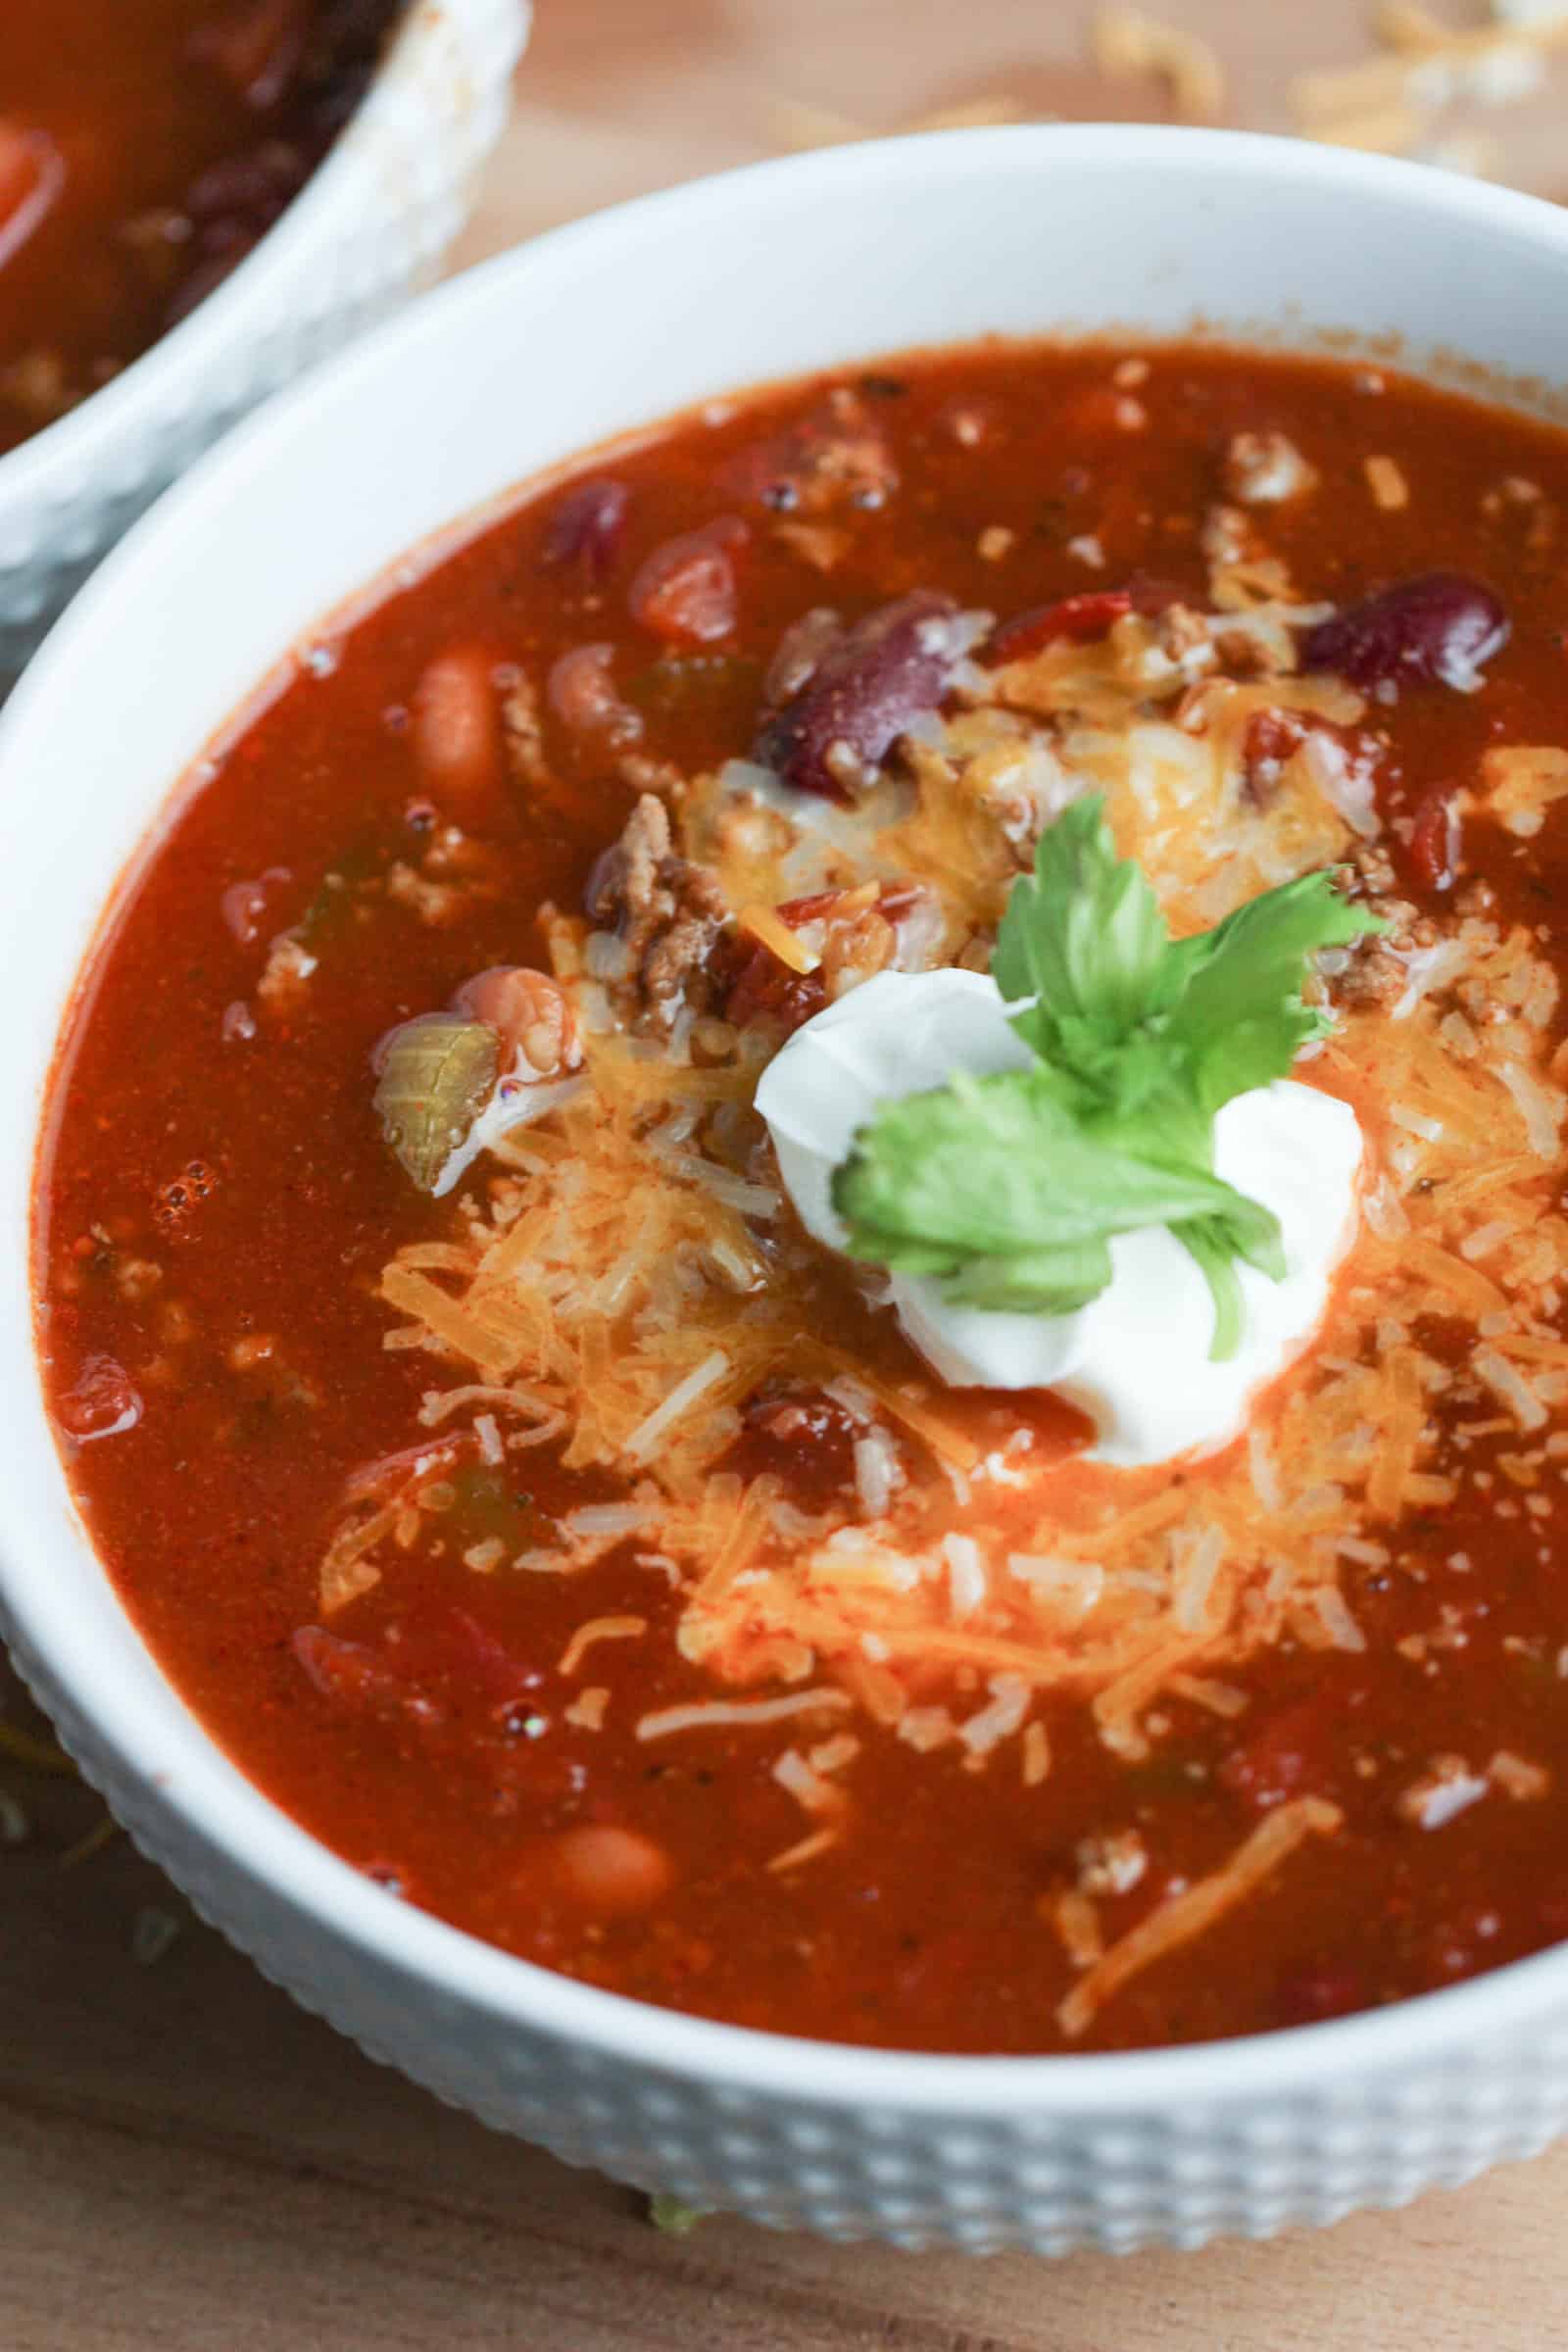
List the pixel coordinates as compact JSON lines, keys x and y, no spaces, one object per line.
{"x":1241,"y":1020}
{"x":1083,"y":952}
{"x":1009,"y":1189}
{"x":1032,"y":1234}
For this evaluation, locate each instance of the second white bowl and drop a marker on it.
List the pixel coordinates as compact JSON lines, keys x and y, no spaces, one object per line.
{"x":368,"y":229}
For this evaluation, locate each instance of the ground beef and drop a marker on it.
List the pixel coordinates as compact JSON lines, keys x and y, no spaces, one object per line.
{"x":667,"y":913}
{"x":1373,"y":970}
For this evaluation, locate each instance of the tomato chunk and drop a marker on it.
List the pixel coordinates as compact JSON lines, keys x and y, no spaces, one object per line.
{"x":685,"y":591}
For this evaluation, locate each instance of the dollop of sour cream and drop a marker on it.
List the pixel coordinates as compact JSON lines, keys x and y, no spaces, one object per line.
{"x":1136,"y":1360}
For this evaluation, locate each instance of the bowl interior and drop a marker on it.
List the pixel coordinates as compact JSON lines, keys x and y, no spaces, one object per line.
{"x":586,"y":335}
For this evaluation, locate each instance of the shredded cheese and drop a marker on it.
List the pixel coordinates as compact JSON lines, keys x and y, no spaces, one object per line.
{"x":719,"y":1714}
{"x":623,"y":1283}
{"x":1182,"y":1917}
{"x":788,"y":945}
{"x":599,"y":1629}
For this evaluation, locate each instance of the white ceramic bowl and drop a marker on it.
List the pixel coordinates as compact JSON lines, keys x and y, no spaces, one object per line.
{"x":601,"y":327}
{"x":370,"y":228}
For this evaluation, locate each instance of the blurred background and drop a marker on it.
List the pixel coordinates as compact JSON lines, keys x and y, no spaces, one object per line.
{"x":619,"y":96}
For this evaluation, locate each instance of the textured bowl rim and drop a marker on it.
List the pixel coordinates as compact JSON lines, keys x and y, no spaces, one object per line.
{"x":255,"y":1838}
{"x":247,"y":298}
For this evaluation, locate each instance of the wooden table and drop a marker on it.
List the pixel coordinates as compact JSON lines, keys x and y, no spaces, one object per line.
{"x":187,"y":2161}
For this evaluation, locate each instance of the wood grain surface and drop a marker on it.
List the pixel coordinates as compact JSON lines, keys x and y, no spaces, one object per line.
{"x":187,"y":2161}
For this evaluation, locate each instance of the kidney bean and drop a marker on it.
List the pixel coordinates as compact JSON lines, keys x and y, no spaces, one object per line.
{"x":864,"y":691}
{"x":585,"y":528}
{"x":1437,"y":629}
{"x":685,"y":591}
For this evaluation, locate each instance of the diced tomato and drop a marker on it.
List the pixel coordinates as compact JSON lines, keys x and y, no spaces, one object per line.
{"x":1435,"y":841}
{"x":763,"y":988}
{"x":685,"y":591}
{"x":801,"y":1434}
{"x":103,"y":1404}
{"x":766,"y":990}
{"x":1083,"y":618}
{"x":1270,"y":739}
{"x":1078,"y":618}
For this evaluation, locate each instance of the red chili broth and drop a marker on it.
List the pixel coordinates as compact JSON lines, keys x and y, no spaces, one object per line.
{"x":924,"y":1929}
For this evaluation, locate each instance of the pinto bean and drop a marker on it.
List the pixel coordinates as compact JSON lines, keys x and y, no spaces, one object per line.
{"x":605,"y":1870}
{"x":457,"y":727}
{"x":581,"y":692}
{"x":527,"y":1013}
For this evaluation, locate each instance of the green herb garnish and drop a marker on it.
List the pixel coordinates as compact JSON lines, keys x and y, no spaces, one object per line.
{"x":1009,"y":1189}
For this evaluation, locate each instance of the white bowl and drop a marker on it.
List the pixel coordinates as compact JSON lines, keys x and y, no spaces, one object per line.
{"x":368,"y":229}
{"x":763,"y":272}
